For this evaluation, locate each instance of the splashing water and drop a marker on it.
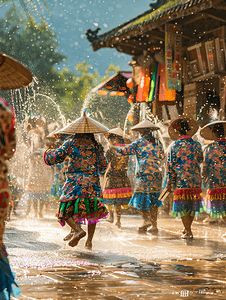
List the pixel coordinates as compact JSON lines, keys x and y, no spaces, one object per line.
{"x":57,"y":106}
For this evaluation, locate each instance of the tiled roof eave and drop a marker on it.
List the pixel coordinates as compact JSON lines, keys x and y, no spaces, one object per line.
{"x":178,"y":12}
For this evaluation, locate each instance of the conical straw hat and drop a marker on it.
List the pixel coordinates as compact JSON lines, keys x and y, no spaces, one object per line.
{"x":118,"y":131}
{"x":12,"y":74}
{"x":52,"y":134}
{"x":207,"y":131}
{"x":145,"y":124}
{"x":83,"y":125}
{"x":174,"y":132}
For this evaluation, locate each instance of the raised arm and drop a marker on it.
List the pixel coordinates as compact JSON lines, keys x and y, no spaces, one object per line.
{"x":56,"y":156}
{"x":127,"y":150}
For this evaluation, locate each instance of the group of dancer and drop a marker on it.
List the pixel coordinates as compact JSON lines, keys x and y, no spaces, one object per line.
{"x":81,"y":198}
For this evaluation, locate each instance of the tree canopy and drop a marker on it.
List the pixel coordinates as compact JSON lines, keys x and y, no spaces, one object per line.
{"x":54,"y":90}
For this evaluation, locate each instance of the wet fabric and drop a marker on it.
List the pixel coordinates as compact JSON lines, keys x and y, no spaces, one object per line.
{"x":118,"y":189}
{"x":59,"y":178}
{"x":8,"y":285}
{"x":183,"y":172}
{"x":144,"y":201}
{"x":149,"y":174}
{"x":7,"y":149}
{"x":86,"y":162}
{"x":214,"y":176}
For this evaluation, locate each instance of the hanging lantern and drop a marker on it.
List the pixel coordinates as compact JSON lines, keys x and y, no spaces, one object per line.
{"x":129,"y":83}
{"x":130,"y":118}
{"x":130,"y":99}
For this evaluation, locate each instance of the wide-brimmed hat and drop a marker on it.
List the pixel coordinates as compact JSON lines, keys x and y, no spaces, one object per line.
{"x":118,"y":131}
{"x":145,"y":124}
{"x":13,"y":75}
{"x":207,"y":131}
{"x":83,"y":125}
{"x":52,"y":135}
{"x":173,"y":127}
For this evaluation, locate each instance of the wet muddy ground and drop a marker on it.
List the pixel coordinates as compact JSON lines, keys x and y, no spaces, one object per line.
{"x":122,"y":265}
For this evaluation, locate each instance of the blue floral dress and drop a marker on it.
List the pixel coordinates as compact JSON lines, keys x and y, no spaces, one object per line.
{"x":59,"y":178}
{"x":214,"y":175}
{"x":183,"y":171}
{"x":149,"y":175}
{"x":81,"y":196}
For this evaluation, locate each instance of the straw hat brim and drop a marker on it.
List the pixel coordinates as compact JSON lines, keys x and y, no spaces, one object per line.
{"x":145,"y":124}
{"x":207,"y":131}
{"x":52,"y":134}
{"x":84,"y":124}
{"x":118,"y":131}
{"x":174,"y":133}
{"x":13,"y":75}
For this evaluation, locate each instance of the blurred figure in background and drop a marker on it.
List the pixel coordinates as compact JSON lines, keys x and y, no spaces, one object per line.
{"x":40,"y":177}
{"x":118,"y":191}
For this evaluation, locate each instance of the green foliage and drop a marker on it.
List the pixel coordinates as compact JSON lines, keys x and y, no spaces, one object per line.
{"x":31,"y":8}
{"x":112,"y":69}
{"x":34,"y":45}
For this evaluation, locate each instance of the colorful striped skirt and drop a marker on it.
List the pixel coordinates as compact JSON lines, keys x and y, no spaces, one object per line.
{"x":83,"y":210}
{"x":216,"y":202}
{"x":117,"y":197}
{"x":187,"y":201}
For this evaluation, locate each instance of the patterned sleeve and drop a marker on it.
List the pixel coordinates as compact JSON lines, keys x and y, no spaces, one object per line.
{"x":171,"y":161}
{"x":102,"y":160}
{"x":56,"y":156}
{"x":128,"y":150}
{"x":206,"y":164}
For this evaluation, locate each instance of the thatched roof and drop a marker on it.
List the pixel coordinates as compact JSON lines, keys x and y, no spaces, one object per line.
{"x":151,"y":21}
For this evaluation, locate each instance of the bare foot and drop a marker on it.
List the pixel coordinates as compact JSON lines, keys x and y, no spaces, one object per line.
{"x":69,"y":236}
{"x":153,"y":230}
{"x":77,"y":237}
{"x":118,"y":224}
{"x":88,"y":245}
{"x":187,"y":235}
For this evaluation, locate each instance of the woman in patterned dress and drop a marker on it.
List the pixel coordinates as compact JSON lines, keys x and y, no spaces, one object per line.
{"x":7,"y":149}
{"x":183,"y":172}
{"x":118,"y":191}
{"x":81,"y":197}
{"x":214,"y":166}
{"x":149,"y":152}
